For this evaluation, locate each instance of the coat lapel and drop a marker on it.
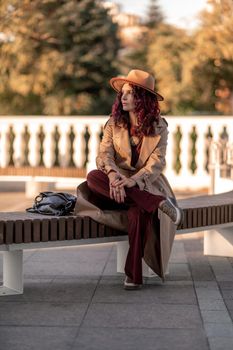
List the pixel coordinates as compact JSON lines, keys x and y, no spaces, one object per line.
{"x":121,"y":138}
{"x":148,"y":145}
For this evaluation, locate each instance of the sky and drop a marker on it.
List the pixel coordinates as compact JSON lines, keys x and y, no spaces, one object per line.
{"x":182,"y":13}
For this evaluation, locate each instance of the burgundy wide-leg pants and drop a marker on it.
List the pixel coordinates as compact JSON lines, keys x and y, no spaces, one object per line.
{"x":139,"y":205}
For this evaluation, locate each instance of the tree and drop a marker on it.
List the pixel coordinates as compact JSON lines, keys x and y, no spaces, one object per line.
{"x":139,"y":56}
{"x":154,"y":14}
{"x":59,"y":59}
{"x":212,"y":63}
{"x":168,"y":57}
{"x":195,"y":71}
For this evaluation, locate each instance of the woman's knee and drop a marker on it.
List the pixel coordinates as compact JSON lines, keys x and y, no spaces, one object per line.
{"x":94,"y":177}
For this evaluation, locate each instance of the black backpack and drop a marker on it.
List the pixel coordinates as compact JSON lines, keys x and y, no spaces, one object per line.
{"x":53,"y":203}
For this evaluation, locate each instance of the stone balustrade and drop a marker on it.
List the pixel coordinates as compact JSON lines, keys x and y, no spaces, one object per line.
{"x":72,"y":141}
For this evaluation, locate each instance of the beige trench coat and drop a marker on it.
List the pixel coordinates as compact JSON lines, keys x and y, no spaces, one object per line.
{"x":115,"y":153}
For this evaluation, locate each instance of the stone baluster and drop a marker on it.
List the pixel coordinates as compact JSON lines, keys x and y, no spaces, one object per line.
{"x":64,"y":144}
{"x":170,"y":154}
{"x":185,"y":156}
{"x":201,"y":154}
{"x":94,"y":130}
{"x":33,"y":186}
{"x":18,"y":144}
{"x":33,"y":144}
{"x":4,"y":145}
{"x":79,"y":145}
{"x":49,"y":145}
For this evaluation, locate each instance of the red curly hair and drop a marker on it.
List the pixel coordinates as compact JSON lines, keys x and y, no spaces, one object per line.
{"x":146,"y":109}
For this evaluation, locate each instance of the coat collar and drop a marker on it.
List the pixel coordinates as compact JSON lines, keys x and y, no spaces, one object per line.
{"x":149,"y":143}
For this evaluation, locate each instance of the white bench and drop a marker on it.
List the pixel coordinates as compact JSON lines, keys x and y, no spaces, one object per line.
{"x":212,"y":214}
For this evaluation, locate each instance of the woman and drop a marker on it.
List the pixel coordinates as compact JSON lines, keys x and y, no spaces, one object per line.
{"x":130,"y":162}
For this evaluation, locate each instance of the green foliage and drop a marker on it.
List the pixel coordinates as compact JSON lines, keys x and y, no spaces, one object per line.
{"x":194,"y":71}
{"x":58,"y":57}
{"x":166,"y":57}
{"x":138,"y":56}
{"x":213,"y":58}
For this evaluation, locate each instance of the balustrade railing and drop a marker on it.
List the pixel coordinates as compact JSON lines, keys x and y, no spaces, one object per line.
{"x":72,"y":142}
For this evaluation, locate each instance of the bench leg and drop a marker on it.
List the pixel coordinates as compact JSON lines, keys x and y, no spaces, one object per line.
{"x":122,"y":250}
{"x":219,"y":242}
{"x":12,"y":273}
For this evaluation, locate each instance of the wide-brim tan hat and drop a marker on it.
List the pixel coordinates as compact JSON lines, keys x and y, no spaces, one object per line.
{"x":139,"y":78}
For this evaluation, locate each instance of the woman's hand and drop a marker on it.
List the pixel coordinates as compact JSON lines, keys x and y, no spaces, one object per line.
{"x":124,"y":181}
{"x":116,"y":192}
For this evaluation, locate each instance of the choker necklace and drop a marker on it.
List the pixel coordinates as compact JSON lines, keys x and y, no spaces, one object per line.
{"x":133,"y":138}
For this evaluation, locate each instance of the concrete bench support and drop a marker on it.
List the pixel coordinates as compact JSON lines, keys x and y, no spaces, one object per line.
{"x":12,"y":273}
{"x":219,"y":242}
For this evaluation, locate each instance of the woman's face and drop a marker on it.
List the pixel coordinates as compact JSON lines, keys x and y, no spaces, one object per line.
{"x":127,"y":98}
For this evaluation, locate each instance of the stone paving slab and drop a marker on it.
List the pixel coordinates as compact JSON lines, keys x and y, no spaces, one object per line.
{"x":219,"y":330}
{"x":66,"y":269}
{"x":221,"y":343}
{"x":229,"y":304}
{"x":214,"y":304}
{"x":42,"y":314}
{"x":56,"y":290}
{"x":179,"y":270}
{"x":142,"y":316}
{"x":157,"y":294}
{"x":216,"y":316}
{"x":226,"y":285}
{"x":138,"y":339}
{"x":37,"y":338}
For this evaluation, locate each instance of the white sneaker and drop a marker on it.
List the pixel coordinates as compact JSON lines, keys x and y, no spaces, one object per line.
{"x":129,"y":285}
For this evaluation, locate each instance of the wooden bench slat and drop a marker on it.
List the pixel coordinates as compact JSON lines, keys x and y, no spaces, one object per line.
{"x":18,"y":231}
{"x":86,"y":227}
{"x":199,"y":217}
{"x":222,"y":214}
{"x":101,"y":232}
{"x":209,"y":216}
{"x":78,"y":228}
{"x":195,"y":223}
{"x":94,"y":229}
{"x":53,"y":229}
{"x":27,"y":231}
{"x":45,"y":230}
{"x":36,"y":229}
{"x":218,"y":215}
{"x":226,"y":214}
{"x":2,"y":231}
{"x":9,"y":232}
{"x":230,"y":213}
{"x":61,"y":229}
{"x":70,"y":228}
{"x":190,"y":218}
{"x":204,"y":216}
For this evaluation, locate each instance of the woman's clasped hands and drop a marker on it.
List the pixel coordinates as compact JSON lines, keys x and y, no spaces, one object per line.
{"x":117,"y":182}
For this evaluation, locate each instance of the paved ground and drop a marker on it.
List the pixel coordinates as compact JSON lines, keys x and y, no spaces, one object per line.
{"x":74,"y":299}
